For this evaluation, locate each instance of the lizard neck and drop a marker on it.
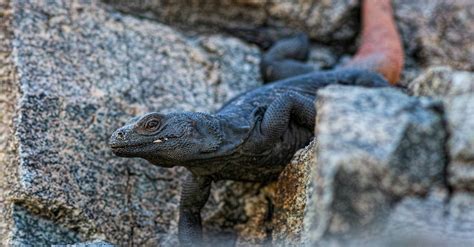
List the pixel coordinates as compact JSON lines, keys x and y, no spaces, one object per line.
{"x":236,"y":131}
{"x":233,"y":132}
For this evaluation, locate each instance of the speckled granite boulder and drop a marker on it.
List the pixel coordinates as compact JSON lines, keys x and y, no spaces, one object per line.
{"x":95,"y":243}
{"x":72,"y":73}
{"x":294,"y":190}
{"x":459,"y":112}
{"x":374,"y":147}
{"x":437,"y":32}
{"x":439,"y":218}
{"x":442,"y":81}
{"x":456,"y":89}
{"x":322,"y":20}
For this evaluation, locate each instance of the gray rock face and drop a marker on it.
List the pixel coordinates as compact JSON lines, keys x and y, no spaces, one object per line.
{"x":76,"y":72}
{"x":437,"y":32}
{"x":322,"y":20}
{"x":438,"y":218}
{"x":442,"y":81}
{"x":460,"y":121}
{"x":456,"y":89}
{"x":375,"y":146}
{"x":95,"y":243}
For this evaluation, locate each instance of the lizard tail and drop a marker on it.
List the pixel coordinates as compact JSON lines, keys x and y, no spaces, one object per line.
{"x":381,"y":48}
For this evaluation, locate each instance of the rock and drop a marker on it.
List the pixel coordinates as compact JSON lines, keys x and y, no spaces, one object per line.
{"x":437,"y":32}
{"x":95,"y":243}
{"x":456,"y":89}
{"x":442,"y":81}
{"x":438,"y":217}
{"x":459,"y":111}
{"x":229,"y":216}
{"x":374,"y":147}
{"x":256,"y":230}
{"x":322,"y":20}
{"x":291,"y":198}
{"x":71,"y":74}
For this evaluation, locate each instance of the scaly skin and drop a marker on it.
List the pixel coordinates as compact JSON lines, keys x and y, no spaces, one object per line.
{"x":251,"y":138}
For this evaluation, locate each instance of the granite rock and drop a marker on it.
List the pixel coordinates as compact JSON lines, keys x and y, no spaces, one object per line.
{"x":459,"y":111}
{"x":442,"y":81}
{"x":439,"y":217}
{"x":293,"y":191}
{"x":437,"y":32}
{"x":94,"y":243}
{"x":322,"y":20}
{"x":456,"y":89}
{"x":75,"y":71}
{"x":375,"y":146}
{"x":434,"y":32}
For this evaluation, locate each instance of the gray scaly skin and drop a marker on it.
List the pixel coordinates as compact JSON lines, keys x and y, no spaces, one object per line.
{"x":251,"y":138}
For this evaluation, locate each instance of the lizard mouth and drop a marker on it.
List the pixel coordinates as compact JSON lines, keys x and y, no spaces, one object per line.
{"x":137,"y":145}
{"x":128,"y":145}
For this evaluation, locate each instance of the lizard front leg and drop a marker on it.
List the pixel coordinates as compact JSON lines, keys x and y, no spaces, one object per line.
{"x":194,"y":194}
{"x":290,"y":106}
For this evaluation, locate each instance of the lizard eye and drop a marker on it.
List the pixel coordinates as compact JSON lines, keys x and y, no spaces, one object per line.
{"x":152,"y":124}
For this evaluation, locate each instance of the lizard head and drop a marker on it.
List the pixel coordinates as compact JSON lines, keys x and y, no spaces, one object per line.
{"x":167,"y":139}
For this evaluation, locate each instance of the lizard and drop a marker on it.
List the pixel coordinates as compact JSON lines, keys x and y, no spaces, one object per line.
{"x":254,"y":135}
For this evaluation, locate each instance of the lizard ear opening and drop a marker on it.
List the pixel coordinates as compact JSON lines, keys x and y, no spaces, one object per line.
{"x":212,"y":136}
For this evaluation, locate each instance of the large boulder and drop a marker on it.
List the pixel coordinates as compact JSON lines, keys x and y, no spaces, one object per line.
{"x":434,"y":32}
{"x":456,"y":89}
{"x":375,"y":146}
{"x":437,"y":32}
{"x":71,"y":74}
{"x":442,"y":82}
{"x":460,"y":122}
{"x":322,"y":20}
{"x":379,"y":154}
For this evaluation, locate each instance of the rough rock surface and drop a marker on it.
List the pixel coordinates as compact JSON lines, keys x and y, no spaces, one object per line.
{"x":442,"y":81}
{"x":291,"y":198}
{"x":361,"y":173}
{"x":437,"y":32}
{"x":437,"y":218}
{"x":459,"y":112}
{"x":434,"y":32}
{"x":95,"y":243}
{"x":76,"y":72}
{"x":456,"y":89}
{"x":322,"y":20}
